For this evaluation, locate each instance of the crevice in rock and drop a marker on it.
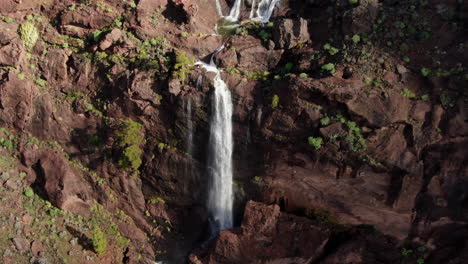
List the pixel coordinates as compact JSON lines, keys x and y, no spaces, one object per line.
{"x":39,"y":184}
{"x":175,"y":13}
{"x":395,"y":186}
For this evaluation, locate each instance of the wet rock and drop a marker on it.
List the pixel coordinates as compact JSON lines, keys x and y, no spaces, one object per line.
{"x":288,"y":33}
{"x":21,"y":244}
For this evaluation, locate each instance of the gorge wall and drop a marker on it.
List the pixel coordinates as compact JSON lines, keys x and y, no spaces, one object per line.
{"x":349,"y":128}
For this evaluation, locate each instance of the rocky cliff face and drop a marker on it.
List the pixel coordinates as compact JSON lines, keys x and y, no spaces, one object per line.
{"x":350,"y":127}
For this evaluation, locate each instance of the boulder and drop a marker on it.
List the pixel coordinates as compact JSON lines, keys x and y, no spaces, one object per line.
{"x":288,"y":33}
{"x":64,"y":187}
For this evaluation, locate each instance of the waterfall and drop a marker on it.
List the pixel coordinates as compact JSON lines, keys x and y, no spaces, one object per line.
{"x":235,"y":11}
{"x":220,"y":197}
{"x":189,"y":123}
{"x":220,"y":194}
{"x":262,"y":13}
{"x":264,"y":10}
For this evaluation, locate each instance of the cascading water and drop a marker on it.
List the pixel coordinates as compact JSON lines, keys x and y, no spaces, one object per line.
{"x":189,"y":123}
{"x":264,"y":10}
{"x":220,"y":196}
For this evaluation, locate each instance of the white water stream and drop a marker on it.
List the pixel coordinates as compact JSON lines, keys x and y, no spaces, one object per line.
{"x":220,"y":196}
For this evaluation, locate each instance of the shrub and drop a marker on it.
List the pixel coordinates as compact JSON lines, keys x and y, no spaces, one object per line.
{"x":330,"y":49}
{"x":330,"y":67}
{"x":303,"y":75}
{"x":356,"y":38}
{"x":408,"y":93}
{"x":353,"y":2}
{"x":29,"y":34}
{"x":425,"y":71}
{"x":28,"y":192}
{"x":182,"y":65}
{"x":275,"y":101}
{"x":131,"y":157}
{"x":315,"y":142}
{"x":130,"y":139}
{"x":325,"y":121}
{"x":99,"y":241}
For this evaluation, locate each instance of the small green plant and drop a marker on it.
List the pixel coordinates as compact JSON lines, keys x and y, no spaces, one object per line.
{"x":356,"y":38}
{"x":353,"y":2}
{"x":156,"y":200}
{"x":425,"y":71}
{"x":40,"y":82}
{"x":329,"y":67}
{"x":331,"y":50}
{"x":130,"y":139}
{"x":29,"y":34}
{"x":406,"y":252}
{"x":325,"y":121}
{"x":99,"y":240}
{"x":182,"y":65}
{"x":408,"y":93}
{"x":264,"y":35}
{"x":303,"y":75}
{"x":446,"y":100}
{"x":8,"y":19}
{"x":356,"y":141}
{"x":28,"y":192}
{"x":315,"y":142}
{"x":274,"y":101}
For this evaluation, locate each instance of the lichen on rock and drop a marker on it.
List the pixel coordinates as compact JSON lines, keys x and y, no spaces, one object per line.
{"x":29,"y":34}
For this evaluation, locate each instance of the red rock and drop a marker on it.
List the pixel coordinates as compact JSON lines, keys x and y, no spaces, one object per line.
{"x":21,"y":244}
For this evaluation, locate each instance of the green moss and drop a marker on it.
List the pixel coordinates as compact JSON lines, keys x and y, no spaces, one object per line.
{"x":331,"y":50}
{"x":315,"y":142}
{"x":99,"y":240}
{"x":325,"y":121}
{"x":28,"y":192}
{"x":130,"y":138}
{"x":29,"y":34}
{"x":182,"y":65}
{"x":408,"y":93}
{"x":356,"y":38}
{"x":425,"y":71}
{"x":330,"y":67}
{"x":156,"y":200}
{"x":274,"y":101}
{"x":131,"y":157}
